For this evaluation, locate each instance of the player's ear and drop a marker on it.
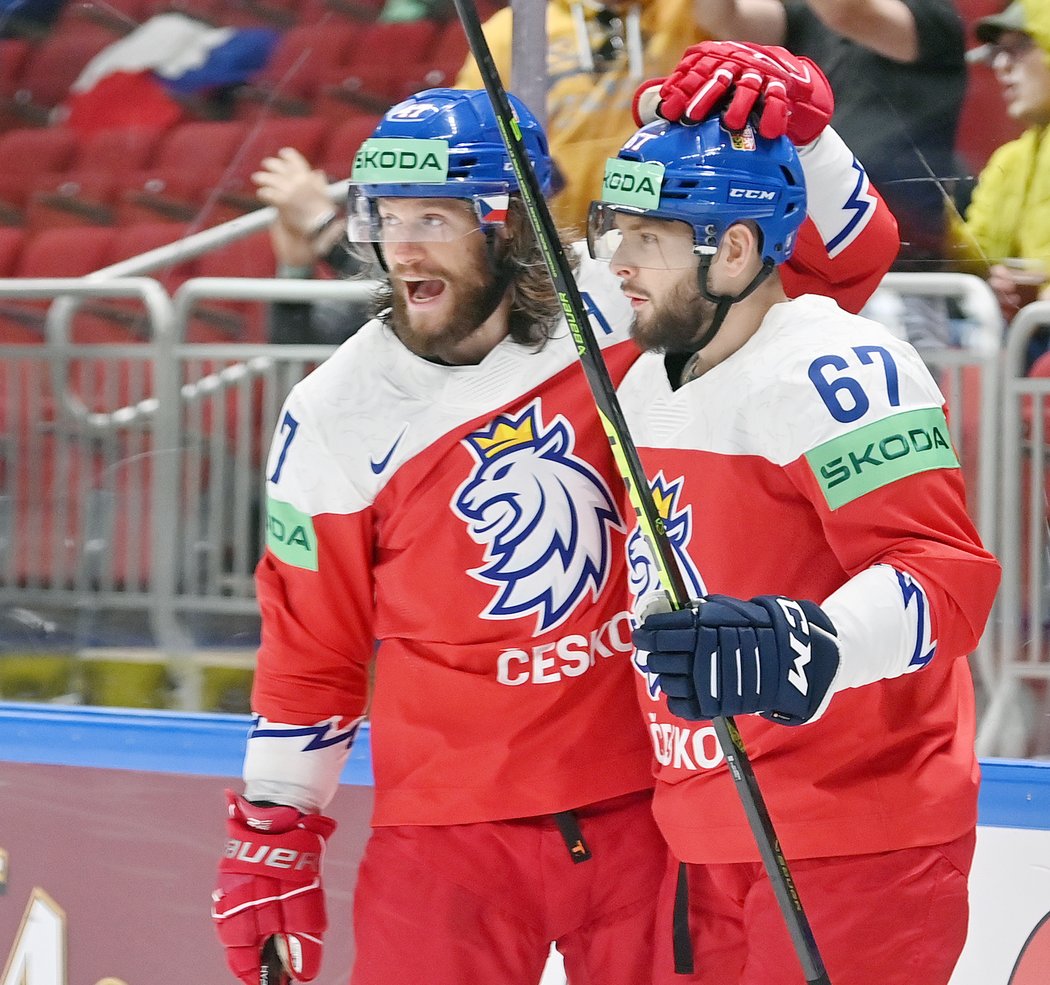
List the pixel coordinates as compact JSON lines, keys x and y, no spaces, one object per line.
{"x":740,"y":244}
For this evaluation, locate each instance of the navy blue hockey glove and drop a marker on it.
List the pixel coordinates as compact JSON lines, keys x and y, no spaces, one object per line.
{"x":772,"y":656}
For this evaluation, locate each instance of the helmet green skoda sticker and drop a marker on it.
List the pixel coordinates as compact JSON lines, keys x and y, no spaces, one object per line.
{"x":381,"y":160}
{"x":634,"y":183}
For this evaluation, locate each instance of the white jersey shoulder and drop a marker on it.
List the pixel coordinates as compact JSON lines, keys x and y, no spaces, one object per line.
{"x":811,"y":373}
{"x":609,"y":312}
{"x":845,"y":203}
{"x":347,"y":428}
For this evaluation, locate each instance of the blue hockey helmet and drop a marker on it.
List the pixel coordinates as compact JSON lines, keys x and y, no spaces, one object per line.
{"x":445,"y":143}
{"x":707,"y":177}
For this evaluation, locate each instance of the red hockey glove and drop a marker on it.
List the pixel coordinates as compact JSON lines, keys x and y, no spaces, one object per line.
{"x":791,"y":93}
{"x":270,"y":883}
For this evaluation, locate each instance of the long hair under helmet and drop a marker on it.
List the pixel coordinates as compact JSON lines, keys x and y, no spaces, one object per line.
{"x":442,"y":143}
{"x":709,"y":178}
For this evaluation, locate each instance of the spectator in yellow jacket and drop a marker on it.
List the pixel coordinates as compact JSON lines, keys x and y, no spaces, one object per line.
{"x":1007,"y":225}
{"x":598,"y":53}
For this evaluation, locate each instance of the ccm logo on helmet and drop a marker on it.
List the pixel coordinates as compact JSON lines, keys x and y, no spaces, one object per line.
{"x":755,"y":194}
{"x":275,"y":858}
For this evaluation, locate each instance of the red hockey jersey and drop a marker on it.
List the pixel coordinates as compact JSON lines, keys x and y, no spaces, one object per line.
{"x":467,"y":519}
{"x":815,"y":453}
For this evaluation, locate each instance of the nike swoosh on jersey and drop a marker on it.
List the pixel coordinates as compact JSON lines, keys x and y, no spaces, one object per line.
{"x":377,"y":467}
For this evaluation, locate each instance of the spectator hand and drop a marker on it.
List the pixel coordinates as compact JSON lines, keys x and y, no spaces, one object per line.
{"x":772,"y":656}
{"x":1016,"y":285}
{"x":791,"y":94}
{"x":270,"y":884}
{"x":299,"y":193}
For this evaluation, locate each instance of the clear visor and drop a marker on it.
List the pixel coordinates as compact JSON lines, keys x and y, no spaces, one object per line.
{"x":420,"y":220}
{"x":636,"y":239}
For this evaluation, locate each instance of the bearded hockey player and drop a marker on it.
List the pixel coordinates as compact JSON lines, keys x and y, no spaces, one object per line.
{"x":442,"y":485}
{"x":801,"y":458}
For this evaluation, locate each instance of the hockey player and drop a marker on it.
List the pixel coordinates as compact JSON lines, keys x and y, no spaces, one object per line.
{"x":442,"y":485}
{"x":801,"y":459}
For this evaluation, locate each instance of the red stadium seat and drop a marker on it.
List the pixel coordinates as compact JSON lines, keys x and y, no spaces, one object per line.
{"x":201,"y":144}
{"x":116,"y":148}
{"x":124,"y":319}
{"x":188,"y":165}
{"x":446,"y":56}
{"x":143,"y":237}
{"x":11,"y":243}
{"x":231,"y":321}
{"x":24,"y":154}
{"x":36,"y":149}
{"x":13,"y":330}
{"x":342,"y":145}
{"x":296,"y":69}
{"x":68,"y":252}
{"x":72,"y":198}
{"x":305,"y":133}
{"x":370,"y":78}
{"x":170,"y":194}
{"x":61,"y":252}
{"x":270,"y":13}
{"x":265,"y":138}
{"x":71,"y":21}
{"x":357,"y":10}
{"x":120,"y":16}
{"x":49,"y":71}
{"x":88,"y":191}
{"x":13,"y":53}
{"x":377,"y":43}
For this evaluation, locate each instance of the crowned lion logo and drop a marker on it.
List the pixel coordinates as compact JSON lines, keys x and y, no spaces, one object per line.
{"x":643,"y":576}
{"x":544,"y":517}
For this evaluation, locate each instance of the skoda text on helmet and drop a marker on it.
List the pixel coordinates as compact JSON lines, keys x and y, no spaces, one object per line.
{"x":442,"y":143}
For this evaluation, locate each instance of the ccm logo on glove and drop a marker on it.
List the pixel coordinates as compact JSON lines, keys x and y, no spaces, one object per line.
{"x":799,"y":643}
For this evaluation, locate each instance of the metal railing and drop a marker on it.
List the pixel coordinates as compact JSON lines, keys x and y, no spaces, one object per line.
{"x":970,"y":378}
{"x":130,"y":474}
{"x":157,"y":448}
{"x":1016,"y":721}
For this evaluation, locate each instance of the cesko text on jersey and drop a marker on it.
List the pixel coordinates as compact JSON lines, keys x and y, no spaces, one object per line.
{"x":569,"y":656}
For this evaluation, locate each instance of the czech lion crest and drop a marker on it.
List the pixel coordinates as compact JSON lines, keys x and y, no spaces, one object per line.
{"x":544,"y":517}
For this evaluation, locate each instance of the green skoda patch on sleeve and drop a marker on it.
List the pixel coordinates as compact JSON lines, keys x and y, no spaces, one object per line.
{"x":381,"y":160}
{"x":634,"y":183}
{"x":877,"y":454}
{"x":290,"y":535}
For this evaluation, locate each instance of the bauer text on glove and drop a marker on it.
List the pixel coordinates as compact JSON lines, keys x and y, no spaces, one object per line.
{"x":270,"y":884}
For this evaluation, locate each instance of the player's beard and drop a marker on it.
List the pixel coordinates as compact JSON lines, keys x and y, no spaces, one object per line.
{"x":675,"y":323}
{"x":435,"y":336}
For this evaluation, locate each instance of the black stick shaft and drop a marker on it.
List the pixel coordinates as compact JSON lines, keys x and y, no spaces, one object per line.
{"x":630,"y":466}
{"x":271,"y":967}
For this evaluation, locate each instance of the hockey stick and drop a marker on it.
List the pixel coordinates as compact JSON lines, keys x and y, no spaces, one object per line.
{"x":630,"y":468}
{"x":271,"y":968}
